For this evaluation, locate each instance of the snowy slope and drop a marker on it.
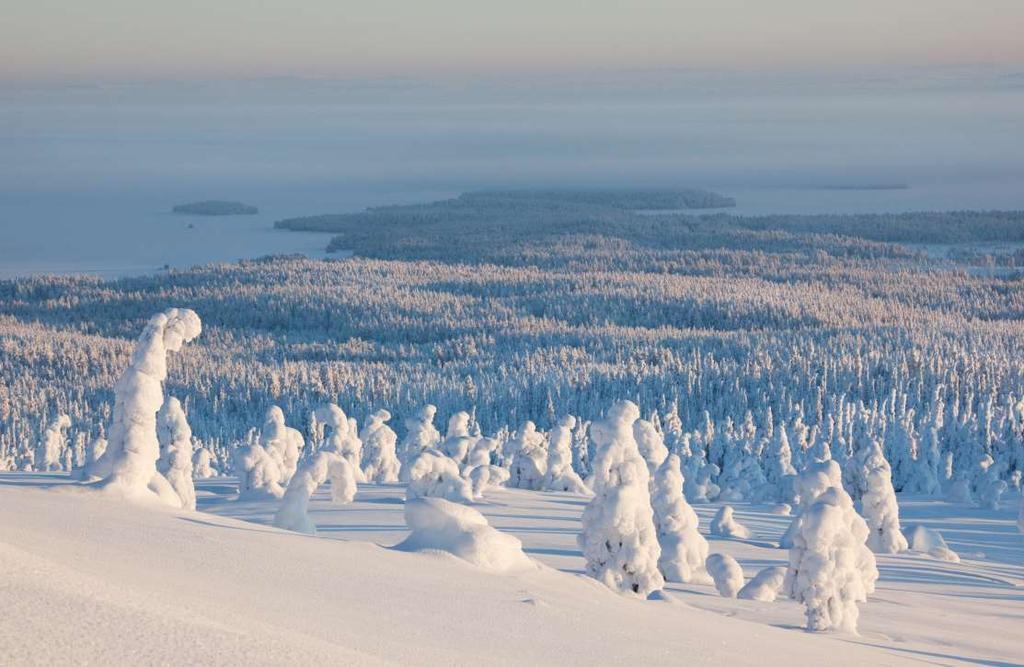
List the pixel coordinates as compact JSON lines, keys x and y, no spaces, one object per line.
{"x":87,"y":579}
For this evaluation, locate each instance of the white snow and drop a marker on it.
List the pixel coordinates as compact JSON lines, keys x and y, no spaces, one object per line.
{"x":765,"y":585}
{"x":725,"y":524}
{"x":441,"y":525}
{"x":241,"y":592}
{"x":726,"y":573}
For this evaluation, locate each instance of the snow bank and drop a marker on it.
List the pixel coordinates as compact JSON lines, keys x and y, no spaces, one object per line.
{"x":727,"y":574}
{"x":438,"y":524}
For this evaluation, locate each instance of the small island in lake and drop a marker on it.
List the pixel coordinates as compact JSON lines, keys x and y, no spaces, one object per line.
{"x":215,"y":207}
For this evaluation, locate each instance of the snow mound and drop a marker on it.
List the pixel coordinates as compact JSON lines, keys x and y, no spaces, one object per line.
{"x":726,"y":525}
{"x":765,"y":585}
{"x":727,"y":574}
{"x":928,"y":541}
{"x":441,"y":525}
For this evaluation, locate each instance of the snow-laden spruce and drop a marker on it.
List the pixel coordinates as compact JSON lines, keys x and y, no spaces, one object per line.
{"x":484,"y":477}
{"x":878,"y":503}
{"x":619,"y":540}
{"x":434,"y":475}
{"x":258,"y":472}
{"x":380,"y":460}
{"x":481,"y":453}
{"x":94,"y":451}
{"x":831,"y":569}
{"x":343,"y":438}
{"x":458,"y":441}
{"x":683,"y":549}
{"x":439,"y":525}
{"x":293,"y":513}
{"x":282,"y":443}
{"x":765,"y":585}
{"x":175,"y":462}
{"x":529,"y":458}
{"x":650,"y":443}
{"x":726,"y":525}
{"x":202,"y":464}
{"x":420,"y":435}
{"x":726,"y":573}
{"x":133,"y":448}
{"x":52,"y":445}
{"x":560,"y":475}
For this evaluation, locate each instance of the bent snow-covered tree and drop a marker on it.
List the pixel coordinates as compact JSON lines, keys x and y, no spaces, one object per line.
{"x":133,"y":448}
{"x":683,"y":549}
{"x":293,"y":514}
{"x":619,"y":540}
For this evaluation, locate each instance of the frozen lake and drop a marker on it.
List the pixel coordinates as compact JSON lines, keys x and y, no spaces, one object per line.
{"x":88,"y":174}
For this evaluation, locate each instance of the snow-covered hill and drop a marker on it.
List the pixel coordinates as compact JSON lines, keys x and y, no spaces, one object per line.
{"x":90,"y":580}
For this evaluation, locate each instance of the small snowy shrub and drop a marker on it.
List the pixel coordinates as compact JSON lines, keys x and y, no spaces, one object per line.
{"x":928,"y":541}
{"x":765,"y":585}
{"x":725,"y":524}
{"x":726,"y":573}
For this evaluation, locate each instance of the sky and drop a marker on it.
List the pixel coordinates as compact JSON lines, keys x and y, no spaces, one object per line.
{"x":44,"y":41}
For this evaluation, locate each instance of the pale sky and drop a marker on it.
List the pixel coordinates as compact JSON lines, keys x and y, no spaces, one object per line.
{"x":120,"y":40}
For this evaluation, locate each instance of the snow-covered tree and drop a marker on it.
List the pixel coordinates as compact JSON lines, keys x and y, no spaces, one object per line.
{"x":481,"y":453}
{"x":831,"y":569}
{"x":420,"y":435}
{"x":683,"y":549}
{"x":293,"y":512}
{"x":650,"y":443}
{"x":619,"y":540}
{"x":560,"y":475}
{"x":281,"y":442}
{"x":133,"y":448}
{"x":52,"y":445}
{"x":458,"y":441}
{"x":529,"y":458}
{"x":380,"y":461}
{"x":726,"y":525}
{"x":881,"y":511}
{"x":434,"y":475}
{"x":202,"y":464}
{"x":175,"y":462}
{"x":484,"y":476}
{"x":726,"y":573}
{"x":765,"y":585}
{"x":779,"y":470}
